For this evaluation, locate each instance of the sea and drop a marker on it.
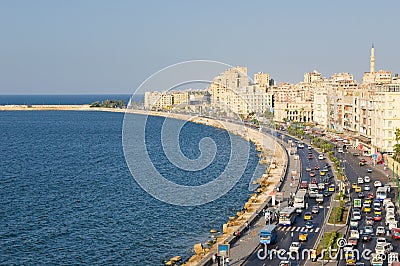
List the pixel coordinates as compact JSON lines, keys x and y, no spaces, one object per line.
{"x":67,"y":195}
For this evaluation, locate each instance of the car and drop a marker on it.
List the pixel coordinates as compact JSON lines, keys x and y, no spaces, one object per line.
{"x":354,"y":185}
{"x":395,"y":233}
{"x":356,"y":154}
{"x":381,"y":240}
{"x":368,"y":229}
{"x":384,"y":248}
{"x":309,"y":147}
{"x":392,"y":224}
{"x":389,"y":206}
{"x":367,"y":208}
{"x":353,"y":241}
{"x":307,"y":216}
{"x":285,"y":263}
{"x":304,"y":184}
{"x":319,"y":198}
{"x":377,"y":183}
{"x":367,"y":188}
{"x":308,"y":168}
{"x":331,"y":188}
{"x":363,"y":160}
{"x":316,"y":167}
{"x":320,"y":157}
{"x":386,"y":201}
{"x":314,"y":181}
{"x":360,"y":180}
{"x":378,"y":210}
{"x":315,"y":209}
{"x":388,"y":188}
{"x":361,"y":195}
{"x":361,"y":163}
{"x":340,"y":150}
{"x":358,"y":189}
{"x":368,"y":200}
{"x":322,"y":173}
{"x":321,"y":186}
{"x":380,"y":231}
{"x":326,"y":181}
{"x":370,"y":196}
{"x":326,"y":192}
{"x":353,"y":224}
{"x":310,"y":156}
{"x":357,"y":216}
{"x":300,"y":145}
{"x":369,"y":220}
{"x":303,"y":236}
{"x":366,"y":237}
{"x":367,"y":179}
{"x":355,"y":234}
{"x":377,"y":217}
{"x":294,"y":247}
{"x":369,"y":170}
{"x":309,"y":224}
{"x":377,"y":203}
{"x":389,"y":220}
{"x":312,"y":174}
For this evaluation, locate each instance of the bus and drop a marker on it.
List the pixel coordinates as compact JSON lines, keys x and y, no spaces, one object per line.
{"x":268,"y":234}
{"x":300,"y":200}
{"x":287,"y":216}
{"x":313,"y":190}
{"x":381,"y":193}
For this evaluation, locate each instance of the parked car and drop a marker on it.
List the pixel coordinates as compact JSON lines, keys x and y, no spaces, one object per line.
{"x":320,"y":157}
{"x":356,"y":154}
{"x":377,"y":183}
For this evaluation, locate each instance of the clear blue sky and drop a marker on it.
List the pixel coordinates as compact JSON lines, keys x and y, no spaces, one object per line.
{"x":67,"y":47}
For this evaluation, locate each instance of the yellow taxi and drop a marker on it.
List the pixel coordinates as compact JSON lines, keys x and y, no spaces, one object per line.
{"x":354,"y":186}
{"x":321,"y":173}
{"x":378,"y":211}
{"x":367,"y":207}
{"x":367,"y":201}
{"x":303,"y":237}
{"x":358,"y":189}
{"x":307,"y":216}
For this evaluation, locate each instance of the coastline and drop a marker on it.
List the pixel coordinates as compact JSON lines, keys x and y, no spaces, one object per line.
{"x":267,"y":182}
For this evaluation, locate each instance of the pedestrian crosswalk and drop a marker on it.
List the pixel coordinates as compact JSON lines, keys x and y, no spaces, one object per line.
{"x":298,"y":229}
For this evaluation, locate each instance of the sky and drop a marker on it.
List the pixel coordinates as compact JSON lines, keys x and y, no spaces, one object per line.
{"x":98,"y":46}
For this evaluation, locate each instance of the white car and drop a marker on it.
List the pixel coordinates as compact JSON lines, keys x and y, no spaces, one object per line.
{"x":320,"y":157}
{"x":381,"y":240}
{"x":360,"y":180}
{"x":294,"y":247}
{"x":357,"y":215}
{"x":380,"y":231}
{"x":390,"y":219}
{"x":386,"y":201}
{"x":392,"y":225}
{"x":389,"y":206}
{"x":367,"y":179}
{"x":377,"y":183}
{"x":354,"y":234}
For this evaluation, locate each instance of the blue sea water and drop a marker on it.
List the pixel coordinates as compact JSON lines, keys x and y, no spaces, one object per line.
{"x":65,"y":99}
{"x":67,"y":196}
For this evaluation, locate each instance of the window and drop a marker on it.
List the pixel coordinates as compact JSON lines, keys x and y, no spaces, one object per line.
{"x":389,"y":123}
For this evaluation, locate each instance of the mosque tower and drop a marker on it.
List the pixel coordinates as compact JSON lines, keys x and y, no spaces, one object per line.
{"x":372,"y":60}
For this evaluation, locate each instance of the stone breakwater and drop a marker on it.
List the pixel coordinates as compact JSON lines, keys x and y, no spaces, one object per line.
{"x":270,"y":151}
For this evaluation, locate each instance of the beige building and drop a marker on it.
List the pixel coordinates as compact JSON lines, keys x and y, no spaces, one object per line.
{"x":232,"y":93}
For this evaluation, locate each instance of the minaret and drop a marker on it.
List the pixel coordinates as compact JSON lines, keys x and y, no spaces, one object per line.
{"x":372,"y":60}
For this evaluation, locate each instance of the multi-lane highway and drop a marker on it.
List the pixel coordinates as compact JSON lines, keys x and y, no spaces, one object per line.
{"x":289,"y":234}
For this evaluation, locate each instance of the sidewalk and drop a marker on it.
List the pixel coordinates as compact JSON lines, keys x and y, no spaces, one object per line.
{"x":249,"y":241}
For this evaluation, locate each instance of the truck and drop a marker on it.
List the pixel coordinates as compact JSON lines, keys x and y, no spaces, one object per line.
{"x":300,"y":200}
